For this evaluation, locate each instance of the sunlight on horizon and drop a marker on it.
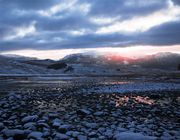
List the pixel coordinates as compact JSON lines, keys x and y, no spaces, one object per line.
{"x":133,"y":52}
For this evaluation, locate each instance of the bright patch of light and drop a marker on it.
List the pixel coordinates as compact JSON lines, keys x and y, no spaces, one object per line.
{"x":135,"y":51}
{"x":102,"y":20}
{"x":78,"y":32}
{"x":141,"y":24}
{"x":141,"y":3}
{"x":69,"y":5}
{"x":57,"y":8}
{"x":83,"y":8}
{"x":21,"y":32}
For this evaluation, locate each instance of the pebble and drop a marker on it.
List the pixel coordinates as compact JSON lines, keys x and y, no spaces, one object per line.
{"x":90,"y":125}
{"x":99,"y":113}
{"x":30,"y":118}
{"x":36,"y":135}
{"x":16,"y":133}
{"x":97,"y":121}
{"x":60,"y":136}
{"x":64,"y":128}
{"x":30,"y":126}
{"x":82,"y":137}
{"x":56,"y":122}
{"x":133,"y":136}
{"x":1,"y":125}
{"x":83,"y":112}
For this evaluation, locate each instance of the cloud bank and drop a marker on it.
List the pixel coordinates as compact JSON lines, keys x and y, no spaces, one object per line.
{"x":71,"y":24}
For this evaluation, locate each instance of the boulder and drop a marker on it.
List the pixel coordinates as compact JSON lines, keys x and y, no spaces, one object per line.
{"x":133,"y":136}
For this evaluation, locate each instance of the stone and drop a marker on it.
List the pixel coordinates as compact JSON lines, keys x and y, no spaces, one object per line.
{"x":90,"y":125}
{"x":43,"y":125}
{"x":60,"y":136}
{"x":1,"y":126}
{"x":99,"y":113}
{"x":133,"y":136}
{"x":101,"y":137}
{"x":82,"y":137}
{"x":64,"y":128}
{"x":101,"y":129}
{"x":53,"y":115}
{"x":30,"y":118}
{"x":83,"y":112}
{"x":14,"y":96}
{"x":56,"y":123}
{"x":46,"y":134}
{"x":75,"y":133}
{"x":108,"y":133}
{"x":15,"y":133}
{"x":30,"y":126}
{"x":92,"y":134}
{"x":35,"y":135}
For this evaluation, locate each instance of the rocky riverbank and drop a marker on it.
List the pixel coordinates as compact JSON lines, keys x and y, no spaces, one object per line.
{"x":42,"y":114}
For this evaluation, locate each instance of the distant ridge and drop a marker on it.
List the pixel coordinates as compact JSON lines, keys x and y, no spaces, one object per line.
{"x":89,"y":63}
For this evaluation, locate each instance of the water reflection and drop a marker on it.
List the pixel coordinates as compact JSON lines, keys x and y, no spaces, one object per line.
{"x":123,"y":101}
{"x":116,"y":82}
{"x":145,"y":100}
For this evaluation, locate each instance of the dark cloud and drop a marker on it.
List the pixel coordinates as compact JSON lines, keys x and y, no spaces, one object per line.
{"x":72,"y":22}
{"x":165,"y":34}
{"x":125,"y":8}
{"x":28,"y":4}
{"x":177,"y":2}
{"x":55,"y":31}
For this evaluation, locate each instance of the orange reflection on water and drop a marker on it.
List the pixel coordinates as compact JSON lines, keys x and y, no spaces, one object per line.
{"x":122,"y":101}
{"x":145,"y":100}
{"x":117,"y":82}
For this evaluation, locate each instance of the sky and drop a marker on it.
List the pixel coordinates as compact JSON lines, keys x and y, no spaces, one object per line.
{"x":55,"y":28}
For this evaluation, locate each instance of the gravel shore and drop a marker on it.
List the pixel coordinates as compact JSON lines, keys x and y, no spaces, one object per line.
{"x":83,"y":114}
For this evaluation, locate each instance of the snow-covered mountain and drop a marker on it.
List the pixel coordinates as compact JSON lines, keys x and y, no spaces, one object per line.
{"x":164,"y":60}
{"x":24,"y":65}
{"x":87,"y":64}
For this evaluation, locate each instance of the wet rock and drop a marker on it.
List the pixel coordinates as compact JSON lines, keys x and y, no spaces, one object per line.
{"x":27,"y":131}
{"x":69,"y":133}
{"x":56,"y":123}
{"x":30,"y":118}
{"x":90,"y":125}
{"x":101,"y":137}
{"x":30,"y":126}
{"x":53,"y":115}
{"x":92,"y":134}
{"x":35,"y":135}
{"x":83,"y":112}
{"x":112,"y":103}
{"x":64,"y":128}
{"x":60,"y":136}
{"x":13,"y":117}
{"x":82,"y":137}
{"x":101,"y":129}
{"x":46,"y":134}
{"x":75,"y":134}
{"x":1,"y":126}
{"x":15,"y":133}
{"x":99,"y":113}
{"x":41,"y":125}
{"x":166,"y":136}
{"x":14,"y":96}
{"x":133,"y":136}
{"x":108,"y":133}
{"x":8,"y":122}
